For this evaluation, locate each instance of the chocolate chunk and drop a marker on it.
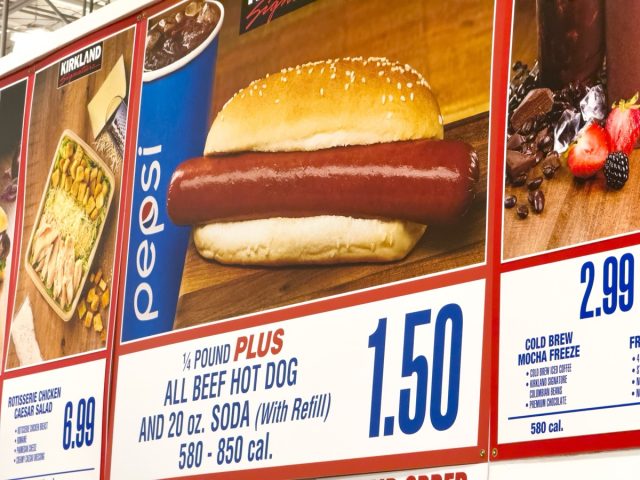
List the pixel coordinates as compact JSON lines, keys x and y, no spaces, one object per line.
{"x":544,"y":140}
{"x":547,"y":144}
{"x":537,"y":102}
{"x":526,"y":128}
{"x":515,"y":142}
{"x":541,"y":134}
{"x":518,"y":163}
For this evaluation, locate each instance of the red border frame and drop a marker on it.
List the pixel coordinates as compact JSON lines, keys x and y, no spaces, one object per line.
{"x":106,"y":353}
{"x":558,"y":446}
{"x":439,"y":458}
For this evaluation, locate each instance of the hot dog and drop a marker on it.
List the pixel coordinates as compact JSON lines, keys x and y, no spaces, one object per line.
{"x":332,"y":161}
{"x":423,"y":181}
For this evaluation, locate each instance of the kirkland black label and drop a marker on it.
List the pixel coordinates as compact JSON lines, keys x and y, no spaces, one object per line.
{"x":256,"y":13}
{"x":85,"y":62}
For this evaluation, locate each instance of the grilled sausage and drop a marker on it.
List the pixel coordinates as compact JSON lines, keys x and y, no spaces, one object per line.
{"x":423,"y":181}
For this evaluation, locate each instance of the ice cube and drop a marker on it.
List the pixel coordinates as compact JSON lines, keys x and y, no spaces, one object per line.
{"x":594,"y":104}
{"x":566,"y":129}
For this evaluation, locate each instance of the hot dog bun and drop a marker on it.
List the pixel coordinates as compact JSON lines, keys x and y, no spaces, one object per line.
{"x":308,"y":240}
{"x":318,"y":106}
{"x":350,"y":101}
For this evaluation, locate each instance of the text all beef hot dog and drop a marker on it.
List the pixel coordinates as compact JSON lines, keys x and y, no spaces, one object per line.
{"x":423,"y":181}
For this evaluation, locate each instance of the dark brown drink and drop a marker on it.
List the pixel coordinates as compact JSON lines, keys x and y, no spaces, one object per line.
{"x":570,"y":41}
{"x":623,"y":49}
{"x":179,"y":33}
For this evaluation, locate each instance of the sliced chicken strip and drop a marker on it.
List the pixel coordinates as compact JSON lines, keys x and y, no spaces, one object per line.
{"x":43,"y":255}
{"x":69,"y":267}
{"x":51,"y":267}
{"x":41,"y":268}
{"x":63,"y":296}
{"x":37,"y":266}
{"x":58,"y":281}
{"x":47,"y":238}
{"x":77,"y":275}
{"x":43,"y":225}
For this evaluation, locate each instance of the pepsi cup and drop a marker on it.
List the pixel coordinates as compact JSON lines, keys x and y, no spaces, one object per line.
{"x":173,"y":127}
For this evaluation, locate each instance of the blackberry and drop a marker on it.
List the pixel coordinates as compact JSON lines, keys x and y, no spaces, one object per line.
{"x":616,"y":170}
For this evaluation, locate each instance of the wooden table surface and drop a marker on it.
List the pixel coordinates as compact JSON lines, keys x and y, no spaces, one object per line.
{"x":449,"y":42}
{"x":55,"y":110}
{"x":575,"y":211}
{"x":211,"y":291}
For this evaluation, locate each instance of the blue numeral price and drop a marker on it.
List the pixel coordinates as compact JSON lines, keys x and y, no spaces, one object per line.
{"x":410,"y":420}
{"x":79,"y":433}
{"x":617,"y":286}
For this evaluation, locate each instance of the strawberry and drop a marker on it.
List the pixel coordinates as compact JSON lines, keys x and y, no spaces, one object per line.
{"x":589,"y":152}
{"x":623,"y":125}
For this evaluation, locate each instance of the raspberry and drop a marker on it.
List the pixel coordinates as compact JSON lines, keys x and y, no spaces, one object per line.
{"x":616,"y":170}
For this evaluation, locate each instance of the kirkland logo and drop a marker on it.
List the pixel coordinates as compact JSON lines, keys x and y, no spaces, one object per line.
{"x":256,"y":13}
{"x":80,"y":64}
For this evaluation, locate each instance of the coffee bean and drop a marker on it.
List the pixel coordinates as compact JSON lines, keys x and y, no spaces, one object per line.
{"x":538,"y":201}
{"x":523,"y":211}
{"x":510,"y":201}
{"x":548,"y":171}
{"x":535,"y":183}
{"x":519,"y":180}
{"x":530,"y":196}
{"x":539,"y":157}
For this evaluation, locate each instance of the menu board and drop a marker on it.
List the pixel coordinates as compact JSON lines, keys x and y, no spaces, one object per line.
{"x":553,"y":356}
{"x":323,"y":239}
{"x":567,"y":360}
{"x":60,"y":322}
{"x":308,"y":251}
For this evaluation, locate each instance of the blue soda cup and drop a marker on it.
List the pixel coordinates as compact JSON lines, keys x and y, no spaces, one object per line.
{"x":173,"y":127}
